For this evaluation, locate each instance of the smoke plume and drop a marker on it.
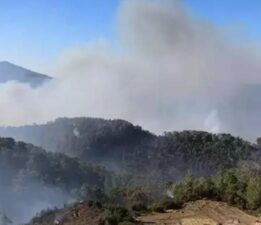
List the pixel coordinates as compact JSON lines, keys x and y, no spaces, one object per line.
{"x":170,"y":71}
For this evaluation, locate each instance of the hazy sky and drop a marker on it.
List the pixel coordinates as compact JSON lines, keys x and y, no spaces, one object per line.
{"x":34,"y":32}
{"x":162,"y":64}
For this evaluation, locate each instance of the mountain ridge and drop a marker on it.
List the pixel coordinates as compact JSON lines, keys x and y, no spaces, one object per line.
{"x":120,"y":146}
{"x":13,"y":72}
{"x":111,"y":160}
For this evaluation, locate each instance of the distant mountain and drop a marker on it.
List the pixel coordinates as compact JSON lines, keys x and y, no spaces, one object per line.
{"x":11,"y":72}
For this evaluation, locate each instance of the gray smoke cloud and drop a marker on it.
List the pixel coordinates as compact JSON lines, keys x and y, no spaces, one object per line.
{"x":171,"y":71}
{"x":21,"y":203}
{"x":22,"y":207}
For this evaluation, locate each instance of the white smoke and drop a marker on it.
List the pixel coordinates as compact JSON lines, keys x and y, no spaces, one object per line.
{"x":212,"y":122}
{"x":21,"y":206}
{"x":76,"y":132}
{"x":170,"y":194}
{"x":169,"y":71}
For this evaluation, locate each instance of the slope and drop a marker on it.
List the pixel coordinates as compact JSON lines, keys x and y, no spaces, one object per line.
{"x":11,"y":72}
{"x":120,"y":146}
{"x":200,"y":213}
{"x":32,"y":179}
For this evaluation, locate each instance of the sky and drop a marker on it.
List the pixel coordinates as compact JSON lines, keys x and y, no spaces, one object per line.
{"x":162,"y":64}
{"x":34,"y":33}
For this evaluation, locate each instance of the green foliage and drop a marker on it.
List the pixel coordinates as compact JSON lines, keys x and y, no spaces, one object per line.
{"x":203,"y":153}
{"x":148,"y":160}
{"x":163,"y":204}
{"x":231,"y":188}
{"x":136,"y":199}
{"x":253,"y":192}
{"x":95,"y":137}
{"x":22,"y":163}
{"x":227,"y":186}
{"x":117,"y":215}
{"x":121,"y":146}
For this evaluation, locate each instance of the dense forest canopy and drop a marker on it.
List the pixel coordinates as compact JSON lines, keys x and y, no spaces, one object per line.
{"x":120,"y":146}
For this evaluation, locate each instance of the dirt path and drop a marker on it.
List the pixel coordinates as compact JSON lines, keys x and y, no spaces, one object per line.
{"x":200,"y":213}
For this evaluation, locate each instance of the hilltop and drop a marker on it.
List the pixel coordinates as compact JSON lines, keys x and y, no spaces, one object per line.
{"x":119,"y":164}
{"x":12,"y":72}
{"x":121,"y":146}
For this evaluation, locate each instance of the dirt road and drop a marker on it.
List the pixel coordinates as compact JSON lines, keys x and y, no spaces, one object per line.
{"x":200,"y":213}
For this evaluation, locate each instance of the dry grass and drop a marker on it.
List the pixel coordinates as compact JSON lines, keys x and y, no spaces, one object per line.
{"x":198,"y":221}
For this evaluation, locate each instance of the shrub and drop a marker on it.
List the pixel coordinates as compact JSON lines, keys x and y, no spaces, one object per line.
{"x":164,"y":204}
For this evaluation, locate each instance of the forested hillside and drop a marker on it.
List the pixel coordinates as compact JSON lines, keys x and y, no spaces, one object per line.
{"x":120,"y":146}
{"x":205,"y":200}
{"x":32,"y":179}
{"x":23,"y":162}
{"x":82,"y":151}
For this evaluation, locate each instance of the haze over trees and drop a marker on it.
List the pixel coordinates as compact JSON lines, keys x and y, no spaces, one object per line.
{"x":33,"y":179}
{"x":115,"y":162}
{"x":120,"y":146}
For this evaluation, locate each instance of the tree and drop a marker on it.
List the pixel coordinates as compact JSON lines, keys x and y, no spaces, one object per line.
{"x":258,"y":141}
{"x":253,"y":193}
